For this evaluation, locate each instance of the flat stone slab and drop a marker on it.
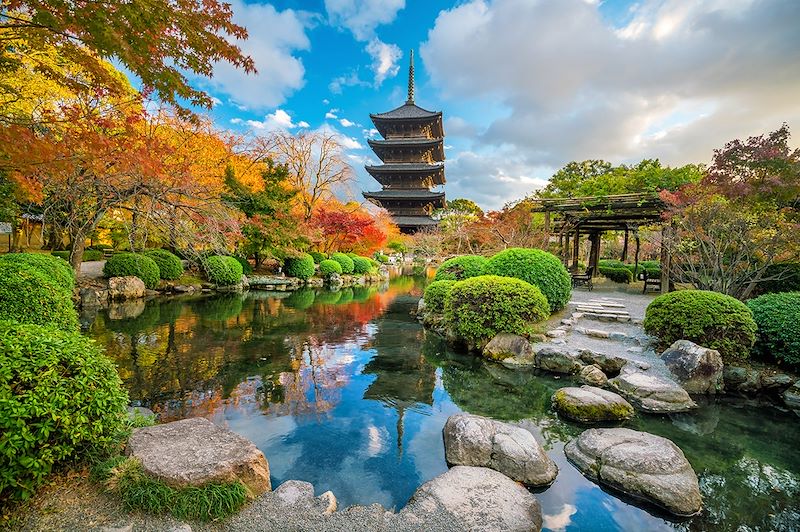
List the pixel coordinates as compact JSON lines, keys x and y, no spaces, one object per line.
{"x":589,"y":404}
{"x":476,"y":499}
{"x":650,"y":392}
{"x":640,"y":464}
{"x":194,"y":452}
{"x":478,"y":441}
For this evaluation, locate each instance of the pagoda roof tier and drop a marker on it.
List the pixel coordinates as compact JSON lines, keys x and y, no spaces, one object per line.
{"x":414,"y":221}
{"x":408,"y":114}
{"x":407,"y":111}
{"x":402,"y":194}
{"x":382,"y":148}
{"x":405,"y":168}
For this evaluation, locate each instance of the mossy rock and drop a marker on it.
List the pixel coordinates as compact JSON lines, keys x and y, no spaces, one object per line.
{"x":589,"y":404}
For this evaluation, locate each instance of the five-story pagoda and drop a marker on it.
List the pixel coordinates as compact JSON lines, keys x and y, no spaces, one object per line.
{"x":412,"y":151}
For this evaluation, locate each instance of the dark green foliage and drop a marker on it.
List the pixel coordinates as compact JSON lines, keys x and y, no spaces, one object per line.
{"x":539,"y":268}
{"x":778,"y":320}
{"x":618,"y":275}
{"x":787,"y":278}
{"x":64,"y":255}
{"x":652,"y":267}
{"x":300,"y":299}
{"x":92,"y":254}
{"x":223,"y":270}
{"x":459,"y":268}
{"x":345,"y":261}
{"x":300,"y":266}
{"x":361,"y":265}
{"x":137,"y":264}
{"x":55,"y":268}
{"x":328,"y":297}
{"x":247,"y":268}
{"x":709,"y":319}
{"x":170,"y":266}
{"x":611,"y":263}
{"x":435,"y":295}
{"x":60,"y":399}
{"x":317,"y":256}
{"x":346,"y":296}
{"x":29,"y":295}
{"x":328,"y":267}
{"x":480,"y":307}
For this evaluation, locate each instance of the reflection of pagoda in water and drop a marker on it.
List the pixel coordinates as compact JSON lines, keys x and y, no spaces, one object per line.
{"x":412,"y":151}
{"x":404,"y":378}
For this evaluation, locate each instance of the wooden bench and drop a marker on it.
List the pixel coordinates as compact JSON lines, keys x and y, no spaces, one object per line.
{"x":650,"y":282}
{"x":583,"y":279}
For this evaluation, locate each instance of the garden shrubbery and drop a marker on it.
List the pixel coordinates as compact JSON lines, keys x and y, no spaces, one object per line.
{"x":784,"y":277}
{"x":29,"y":295}
{"x":328,"y":267}
{"x":778,"y":319}
{"x":60,"y":399}
{"x":300,"y":266}
{"x":709,"y":319}
{"x":135,"y":264}
{"x":458,"y":268}
{"x":381,"y":258}
{"x":480,"y":307}
{"x":59,"y":271}
{"x":170,"y":266}
{"x":345,"y":261}
{"x":618,"y":275}
{"x":88,"y":254}
{"x":539,"y":268}
{"x":361,"y":265}
{"x":435,"y":295}
{"x":223,"y":270}
{"x":317,"y":256}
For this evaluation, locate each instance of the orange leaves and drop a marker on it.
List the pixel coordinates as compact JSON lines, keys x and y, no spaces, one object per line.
{"x":348,"y":228}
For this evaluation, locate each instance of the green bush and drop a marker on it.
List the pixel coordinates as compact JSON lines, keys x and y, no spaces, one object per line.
{"x":435,"y":295}
{"x":55,"y":268}
{"x":328,"y":267}
{"x":480,"y":307}
{"x":361,"y":265}
{"x":88,"y":254}
{"x":618,"y":275}
{"x":611,"y":263}
{"x":328,"y":297}
{"x":709,"y":319}
{"x":300,"y":266}
{"x":345,"y":261}
{"x":300,"y":299}
{"x":539,"y":268}
{"x":60,"y":399}
{"x":137,"y":264}
{"x":346,"y":296}
{"x":317,"y":256}
{"x":28,"y":295}
{"x":380,"y":257}
{"x":170,"y":266}
{"x":223,"y":270}
{"x":459,"y":268}
{"x":778,"y":319}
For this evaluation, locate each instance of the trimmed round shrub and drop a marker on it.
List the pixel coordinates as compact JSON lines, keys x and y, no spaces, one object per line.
{"x":60,"y":399}
{"x":778,"y":319}
{"x":345,"y":261}
{"x":539,"y":268}
{"x":137,"y":264}
{"x":361,"y":265}
{"x":709,"y":319}
{"x":170,"y":266}
{"x":459,"y":268}
{"x":28,"y":295}
{"x":328,"y":267}
{"x":92,"y":255}
{"x":480,"y":307}
{"x":223,"y":270}
{"x":300,"y":266}
{"x":435,"y":295}
{"x":618,"y":275}
{"x":55,"y":268}
{"x":317,"y":256}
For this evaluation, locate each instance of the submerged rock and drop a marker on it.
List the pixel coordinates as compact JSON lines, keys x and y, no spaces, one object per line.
{"x":642,"y":465}
{"x":589,"y":404}
{"x":506,"y":345}
{"x":593,"y":375}
{"x":558,"y":360}
{"x":476,"y":499}
{"x":651,"y":393}
{"x":697,"y":369}
{"x":194,"y":452}
{"x":478,"y":441}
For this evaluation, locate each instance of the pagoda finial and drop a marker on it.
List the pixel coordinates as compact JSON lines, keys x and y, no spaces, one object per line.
{"x":411,"y":79}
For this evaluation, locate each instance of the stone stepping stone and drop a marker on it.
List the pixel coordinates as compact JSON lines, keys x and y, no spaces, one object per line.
{"x":639,"y":464}
{"x":650,"y":392}
{"x":589,"y":404}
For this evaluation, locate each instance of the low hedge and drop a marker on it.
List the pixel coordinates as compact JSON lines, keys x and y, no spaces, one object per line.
{"x":28,"y":295}
{"x":459,"y":268}
{"x":709,"y":319}
{"x":170,"y":266}
{"x":778,"y":319}
{"x":317,"y":256}
{"x":435,"y":295}
{"x":345,"y":261}
{"x":88,"y":254}
{"x":618,"y":275}
{"x":361,"y":265}
{"x":300,"y":266}
{"x":137,"y":264}
{"x":328,"y":267}
{"x":60,"y":399}
{"x":223,"y":270}
{"x":480,"y":307}
{"x":539,"y":268}
{"x":55,"y":268}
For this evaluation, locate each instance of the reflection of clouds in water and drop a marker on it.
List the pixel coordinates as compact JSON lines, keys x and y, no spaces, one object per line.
{"x":425,"y":448}
{"x":376,"y":440}
{"x":559,"y":521}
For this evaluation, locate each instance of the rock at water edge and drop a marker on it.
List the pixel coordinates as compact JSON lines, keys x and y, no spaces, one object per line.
{"x":697,"y":369}
{"x":558,"y":361}
{"x":650,"y":392}
{"x":593,"y":376}
{"x":506,"y":345}
{"x":129,"y":287}
{"x":589,"y":404}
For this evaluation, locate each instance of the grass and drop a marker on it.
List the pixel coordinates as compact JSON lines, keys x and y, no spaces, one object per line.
{"x":188,"y":279}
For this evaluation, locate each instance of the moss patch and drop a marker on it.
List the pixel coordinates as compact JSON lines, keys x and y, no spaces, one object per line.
{"x":588,"y":413}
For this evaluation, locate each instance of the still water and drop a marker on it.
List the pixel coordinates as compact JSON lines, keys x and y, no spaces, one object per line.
{"x":346,"y":391}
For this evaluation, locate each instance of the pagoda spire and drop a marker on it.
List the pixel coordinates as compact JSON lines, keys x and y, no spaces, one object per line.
{"x":411,"y":80}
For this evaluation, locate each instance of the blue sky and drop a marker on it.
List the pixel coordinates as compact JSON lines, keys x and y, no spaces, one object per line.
{"x":525,"y":85}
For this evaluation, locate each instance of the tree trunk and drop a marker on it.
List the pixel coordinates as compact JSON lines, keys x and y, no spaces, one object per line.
{"x":76,"y":251}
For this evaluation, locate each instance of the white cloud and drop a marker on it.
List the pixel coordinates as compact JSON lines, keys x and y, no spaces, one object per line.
{"x":369,"y":133}
{"x":347,"y":123}
{"x":384,"y":59}
{"x":361,"y":17}
{"x":279,"y":120}
{"x":347,"y":142}
{"x":332,"y":114}
{"x":349,"y":80}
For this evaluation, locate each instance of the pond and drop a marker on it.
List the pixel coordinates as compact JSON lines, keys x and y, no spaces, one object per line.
{"x":347,"y":391}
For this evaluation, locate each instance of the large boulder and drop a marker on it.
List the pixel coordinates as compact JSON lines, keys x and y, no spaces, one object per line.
{"x":639,"y":464}
{"x":129,"y":287}
{"x":697,"y":369}
{"x":506,"y":345}
{"x":589,"y":404}
{"x":610,"y":364}
{"x":792,"y":396}
{"x":476,"y":499}
{"x":650,"y":392}
{"x":593,"y":376}
{"x":478,"y":441}
{"x":194,"y":452}
{"x":557,"y":360}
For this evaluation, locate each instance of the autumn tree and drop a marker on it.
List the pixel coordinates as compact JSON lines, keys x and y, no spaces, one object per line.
{"x":345,"y":228}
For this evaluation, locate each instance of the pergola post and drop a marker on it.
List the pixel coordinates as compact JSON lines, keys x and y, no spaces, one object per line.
{"x":566,"y":249}
{"x":625,"y":247}
{"x":594,"y":255}
{"x":666,"y":236}
{"x":576,"y":248}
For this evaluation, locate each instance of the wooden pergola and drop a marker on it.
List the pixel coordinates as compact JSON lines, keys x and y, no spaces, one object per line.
{"x":572,"y":218}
